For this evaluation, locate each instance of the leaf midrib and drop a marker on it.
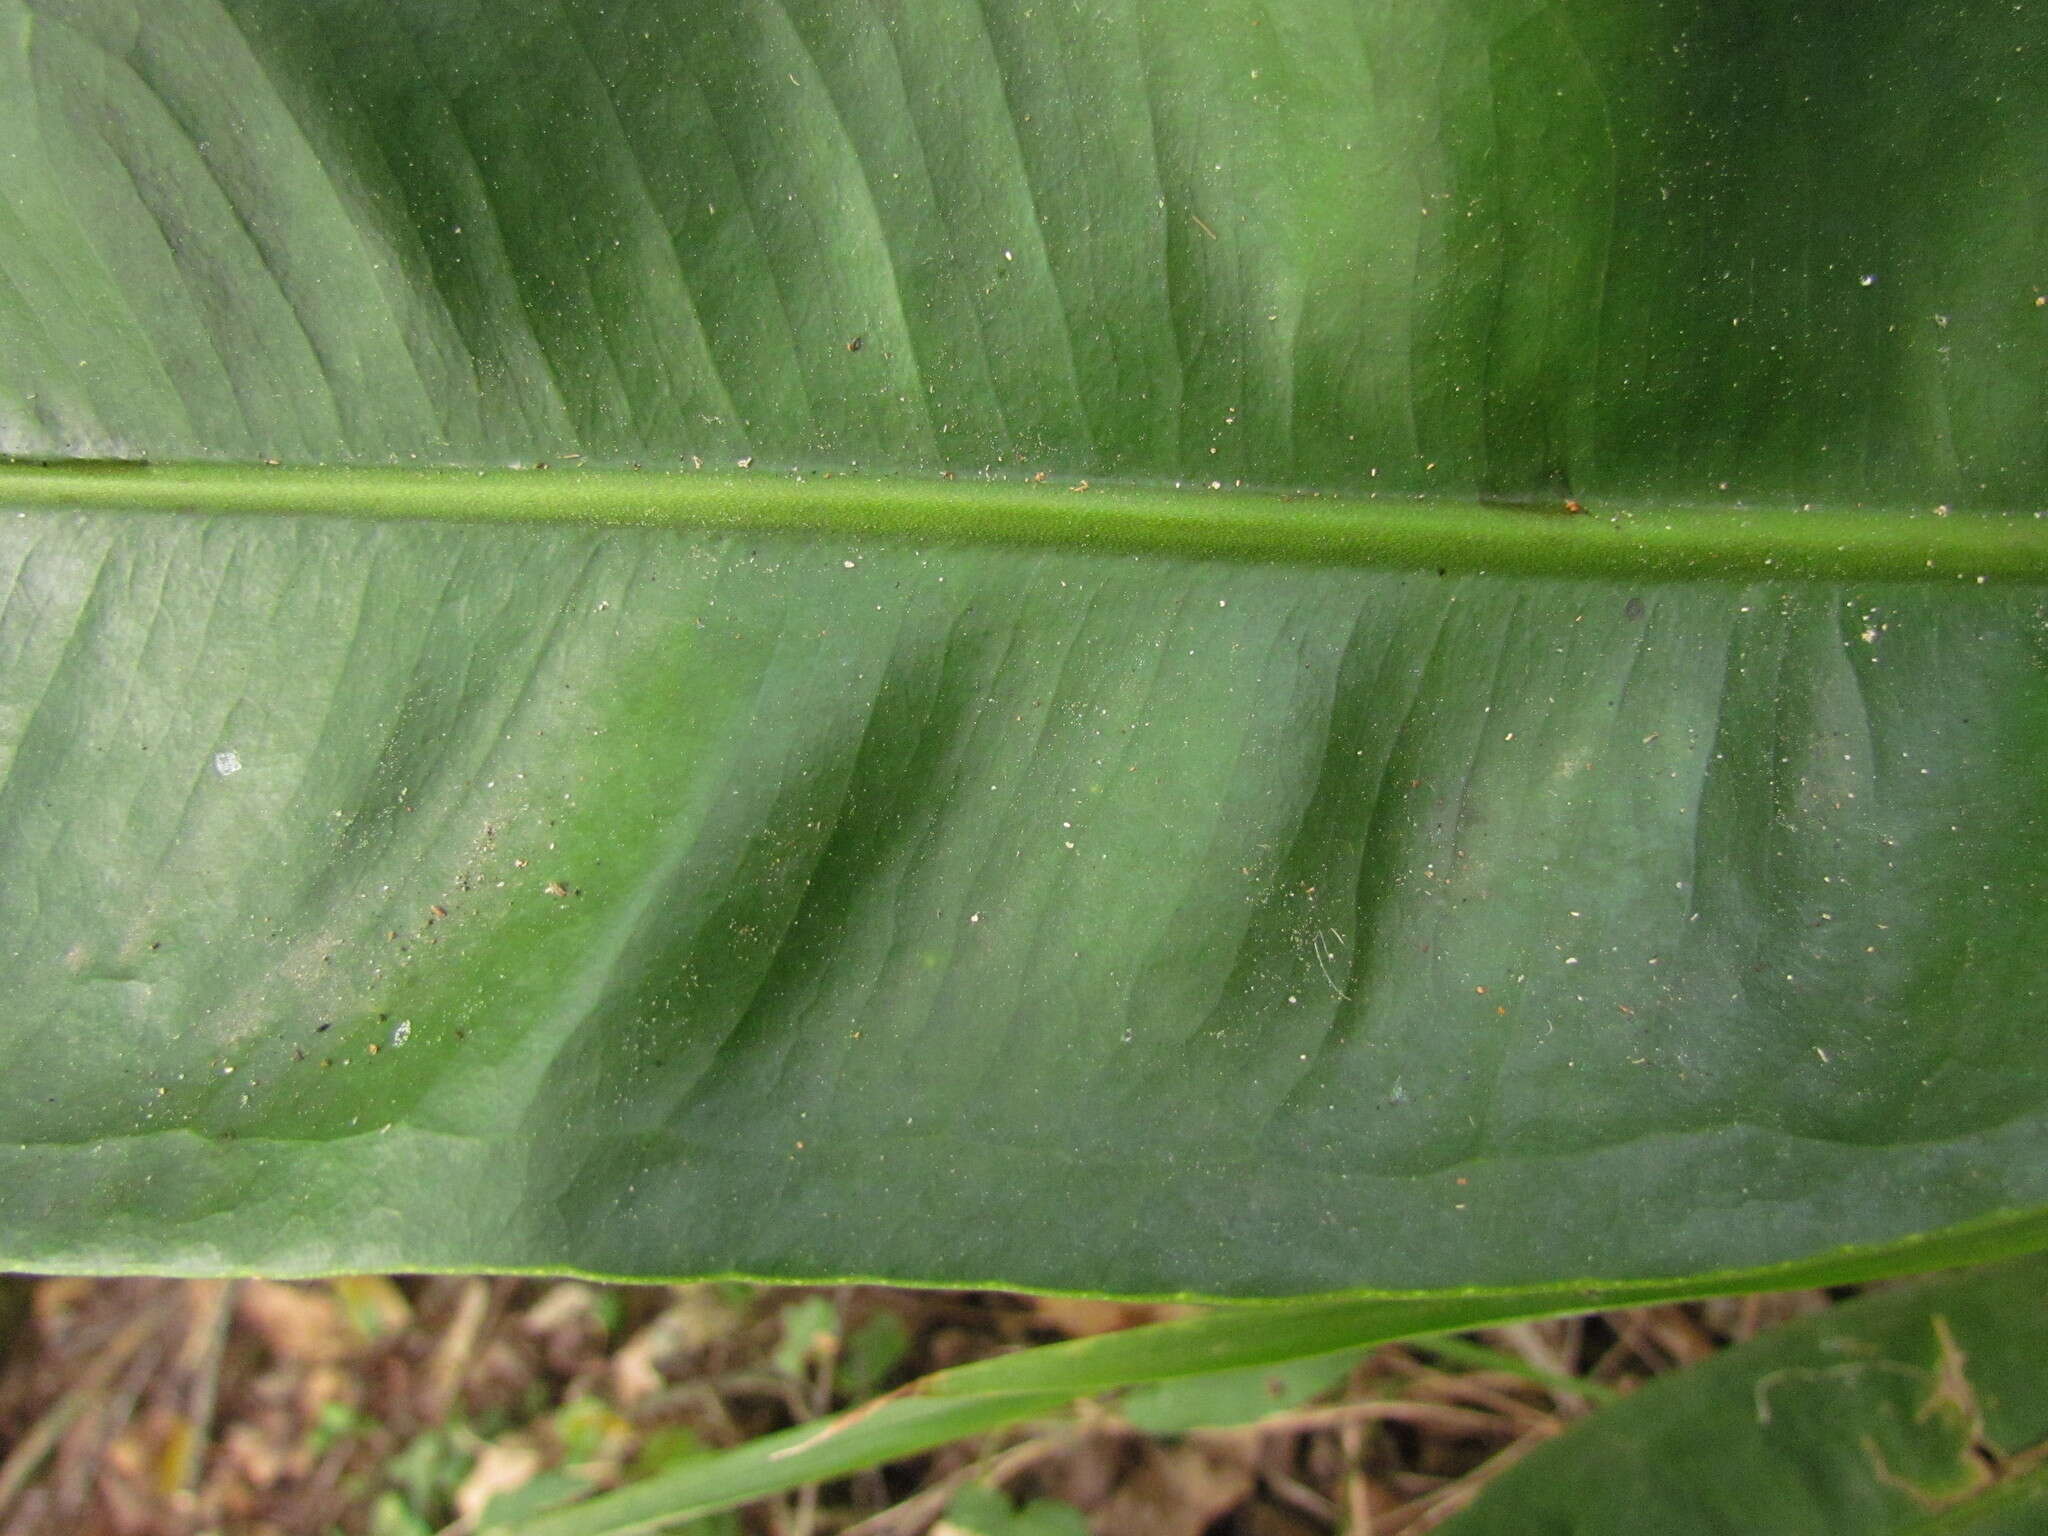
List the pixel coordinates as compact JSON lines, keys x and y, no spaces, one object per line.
{"x":1612,"y":539}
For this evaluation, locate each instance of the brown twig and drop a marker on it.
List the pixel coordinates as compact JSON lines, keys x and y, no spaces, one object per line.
{"x":1357,"y":1491}
{"x":1529,"y":1343}
{"x":1298,"y":1495}
{"x":1473,"y":1388}
{"x":916,"y":1513}
{"x":1432,"y":1509}
{"x":107,"y":1363}
{"x":212,"y":1304}
{"x":1677,"y":1334}
{"x":452,"y":1354}
{"x":1437,"y":1416}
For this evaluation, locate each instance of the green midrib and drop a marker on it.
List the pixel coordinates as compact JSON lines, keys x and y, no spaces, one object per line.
{"x":1612,"y":538}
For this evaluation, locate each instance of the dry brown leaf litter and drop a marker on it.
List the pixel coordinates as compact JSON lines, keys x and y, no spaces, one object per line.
{"x":393,"y":1407}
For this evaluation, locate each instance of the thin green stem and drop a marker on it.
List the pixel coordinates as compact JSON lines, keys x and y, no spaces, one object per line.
{"x":1621,"y":539}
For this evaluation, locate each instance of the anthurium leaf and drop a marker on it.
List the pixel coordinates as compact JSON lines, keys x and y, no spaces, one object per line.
{"x":1283,"y":849}
{"x":1918,"y":1409}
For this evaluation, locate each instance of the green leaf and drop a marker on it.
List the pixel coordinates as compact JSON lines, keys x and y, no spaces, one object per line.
{"x":665,"y":1448}
{"x":810,"y":1328}
{"x":424,"y":1475}
{"x":547,"y":1490}
{"x":808,"y":1453}
{"x":978,"y":1510}
{"x":1189,"y":1359}
{"x":1252,"y":1336}
{"x":1337,"y":872}
{"x":872,"y":1352}
{"x":1227,"y":1398}
{"x":1920,"y":1409}
{"x":390,"y":1515}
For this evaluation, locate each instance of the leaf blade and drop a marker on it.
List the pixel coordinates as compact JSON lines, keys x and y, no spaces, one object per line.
{"x":1673,"y":861}
{"x":1871,"y":1417}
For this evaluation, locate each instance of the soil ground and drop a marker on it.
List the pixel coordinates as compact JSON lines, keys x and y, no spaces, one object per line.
{"x":381,"y":1406}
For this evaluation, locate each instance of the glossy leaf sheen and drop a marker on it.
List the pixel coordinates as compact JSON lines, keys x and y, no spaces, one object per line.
{"x":424,"y":874}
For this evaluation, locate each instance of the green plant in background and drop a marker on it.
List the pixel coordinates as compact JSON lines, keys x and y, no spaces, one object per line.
{"x":943,"y":643}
